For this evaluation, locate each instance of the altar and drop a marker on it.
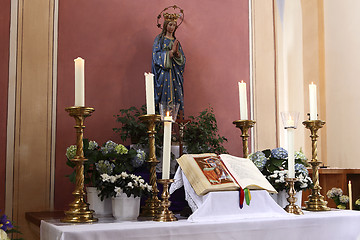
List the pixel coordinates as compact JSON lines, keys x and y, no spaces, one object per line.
{"x":334,"y":224}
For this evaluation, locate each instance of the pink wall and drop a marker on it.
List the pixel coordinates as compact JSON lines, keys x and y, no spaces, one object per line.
{"x":4,"y":78}
{"x":115,"y":38}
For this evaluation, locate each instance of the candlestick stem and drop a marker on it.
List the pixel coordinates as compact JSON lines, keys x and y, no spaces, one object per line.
{"x":79,"y":210}
{"x":245,"y":125}
{"x":292,"y":207}
{"x":152,"y":204}
{"x":165,"y":215}
{"x":316,"y":200}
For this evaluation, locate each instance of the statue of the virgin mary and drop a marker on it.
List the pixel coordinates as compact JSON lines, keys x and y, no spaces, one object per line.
{"x":168,"y":63}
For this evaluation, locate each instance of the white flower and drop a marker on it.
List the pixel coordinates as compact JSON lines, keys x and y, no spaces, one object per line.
{"x":118,"y":191}
{"x":105,"y":177}
{"x":113,"y":179}
{"x":149,"y":188}
{"x":130,"y":185}
{"x":141,"y":181}
{"x":124,"y":175}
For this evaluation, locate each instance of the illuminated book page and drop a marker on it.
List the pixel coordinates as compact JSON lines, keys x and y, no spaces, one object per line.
{"x":246,"y":173}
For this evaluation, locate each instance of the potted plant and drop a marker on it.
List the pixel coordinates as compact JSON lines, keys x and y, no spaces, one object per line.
{"x":201,"y":134}
{"x":125,"y":190}
{"x":110,"y":158}
{"x":340,"y":200}
{"x":273,"y":165}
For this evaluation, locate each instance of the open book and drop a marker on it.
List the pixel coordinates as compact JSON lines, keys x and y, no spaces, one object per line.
{"x":209,"y":172}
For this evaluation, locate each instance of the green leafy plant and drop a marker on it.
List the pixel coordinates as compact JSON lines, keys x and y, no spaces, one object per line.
{"x":135,"y":130}
{"x":201,"y":134}
{"x":131,"y":126}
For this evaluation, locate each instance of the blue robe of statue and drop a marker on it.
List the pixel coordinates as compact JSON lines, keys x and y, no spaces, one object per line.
{"x":168,"y":73}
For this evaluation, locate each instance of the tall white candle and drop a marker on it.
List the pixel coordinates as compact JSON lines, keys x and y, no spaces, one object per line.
{"x":291,"y":157}
{"x":350,"y":196}
{"x":166,"y":147}
{"x":243,"y":100}
{"x":313,"y":101}
{"x":79,"y":82}
{"x":150,"y":101}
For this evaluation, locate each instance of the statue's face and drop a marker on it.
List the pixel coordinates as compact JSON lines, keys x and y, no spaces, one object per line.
{"x":171,"y":27}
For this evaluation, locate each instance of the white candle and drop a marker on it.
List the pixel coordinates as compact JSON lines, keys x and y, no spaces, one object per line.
{"x":350,"y":195}
{"x":150,"y":101}
{"x":313,"y":101}
{"x":166,"y":147}
{"x":291,"y":157}
{"x":79,"y":82}
{"x":243,"y":100}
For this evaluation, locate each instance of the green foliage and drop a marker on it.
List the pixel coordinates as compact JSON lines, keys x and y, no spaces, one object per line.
{"x":201,"y":134}
{"x":131,"y":127}
{"x":135,"y":130}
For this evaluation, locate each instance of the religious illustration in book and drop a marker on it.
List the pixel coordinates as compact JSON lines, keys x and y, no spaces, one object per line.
{"x":168,"y":60}
{"x":213,"y":169}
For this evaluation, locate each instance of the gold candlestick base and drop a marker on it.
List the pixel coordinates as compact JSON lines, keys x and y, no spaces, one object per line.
{"x":292,"y":207}
{"x":316,"y":200}
{"x":165,"y":215}
{"x":79,"y":211}
{"x":152,"y":204}
{"x":245,"y":125}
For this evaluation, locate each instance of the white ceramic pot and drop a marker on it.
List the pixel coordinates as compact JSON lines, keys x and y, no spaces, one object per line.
{"x":101,"y":208}
{"x":281,"y":198}
{"x":125,"y":208}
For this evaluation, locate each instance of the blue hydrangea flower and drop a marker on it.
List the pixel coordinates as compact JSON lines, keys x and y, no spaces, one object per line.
{"x":104,"y":166}
{"x":71,"y":152}
{"x":93,"y":145}
{"x":121,"y":149}
{"x":5,"y":223}
{"x":279,"y":153}
{"x":139,"y":159}
{"x":301,"y":169}
{"x":259,"y":159}
{"x":108,"y":147}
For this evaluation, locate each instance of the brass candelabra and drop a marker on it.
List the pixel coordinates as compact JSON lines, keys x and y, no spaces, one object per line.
{"x":152,"y":204}
{"x":164,"y":214}
{"x":292,"y":207}
{"x":245,"y":125}
{"x":316,"y":201}
{"x":79,"y":211}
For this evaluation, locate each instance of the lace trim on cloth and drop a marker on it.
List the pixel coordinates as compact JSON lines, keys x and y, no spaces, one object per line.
{"x":178,"y":183}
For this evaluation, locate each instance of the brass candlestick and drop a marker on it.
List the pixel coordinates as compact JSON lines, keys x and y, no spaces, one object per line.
{"x":292,"y":207}
{"x":152,"y":204}
{"x":165,"y":215}
{"x":245,"y":125}
{"x":79,"y":211}
{"x":316,"y":200}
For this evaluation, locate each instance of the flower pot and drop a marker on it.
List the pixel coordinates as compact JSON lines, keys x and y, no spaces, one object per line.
{"x":101,"y":208}
{"x":281,"y":198}
{"x":125,"y":208}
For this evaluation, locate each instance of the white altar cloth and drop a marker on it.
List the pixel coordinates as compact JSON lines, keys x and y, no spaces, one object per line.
{"x":335,"y":224}
{"x":224,"y":205}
